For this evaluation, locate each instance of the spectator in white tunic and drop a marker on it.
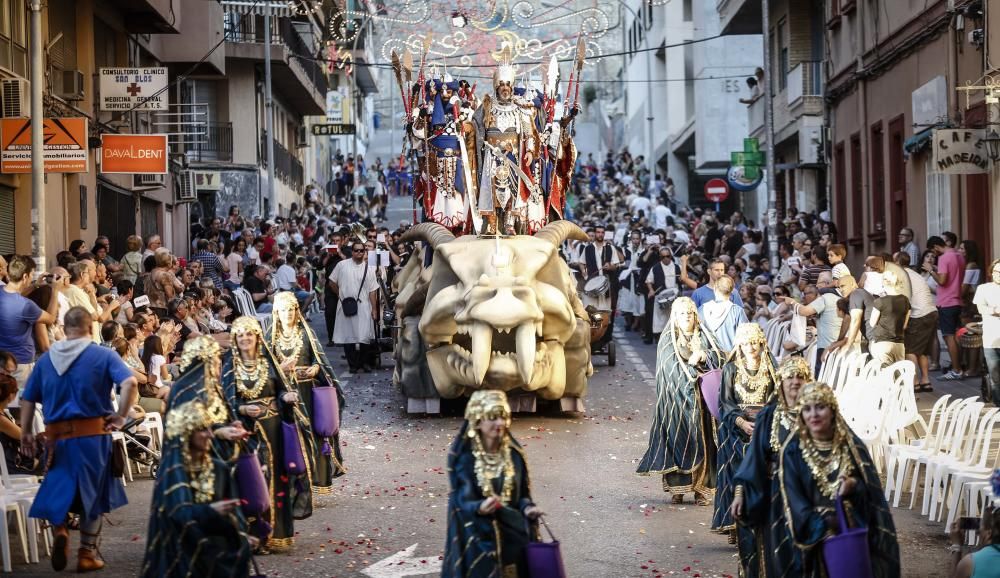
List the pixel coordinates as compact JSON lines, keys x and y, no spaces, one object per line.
{"x":355,"y":283}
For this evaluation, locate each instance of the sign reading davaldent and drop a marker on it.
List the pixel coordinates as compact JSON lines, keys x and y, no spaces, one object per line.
{"x":134,"y":89}
{"x":960,"y":151}
{"x":134,"y":153}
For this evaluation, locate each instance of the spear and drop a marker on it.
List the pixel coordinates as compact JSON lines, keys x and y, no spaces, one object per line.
{"x":397,"y":69}
{"x":408,"y":77}
{"x":581,"y":52}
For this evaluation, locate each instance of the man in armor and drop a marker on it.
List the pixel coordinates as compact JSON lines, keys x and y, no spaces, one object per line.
{"x":508,"y":145}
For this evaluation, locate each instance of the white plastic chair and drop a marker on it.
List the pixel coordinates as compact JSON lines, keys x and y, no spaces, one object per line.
{"x":962,"y":427}
{"x":956,"y":476}
{"x":898,"y":455}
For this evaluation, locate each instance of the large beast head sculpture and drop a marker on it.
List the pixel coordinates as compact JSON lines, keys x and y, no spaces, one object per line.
{"x":499,"y":313}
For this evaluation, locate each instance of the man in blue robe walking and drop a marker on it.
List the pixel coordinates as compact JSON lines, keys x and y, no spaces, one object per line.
{"x":73,"y":382}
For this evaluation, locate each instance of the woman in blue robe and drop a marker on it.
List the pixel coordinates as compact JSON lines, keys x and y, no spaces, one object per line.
{"x":195,"y":526}
{"x":303,"y":362}
{"x":823,"y":459}
{"x":765,"y":545}
{"x":748,"y":382}
{"x":682,"y":437}
{"x":721,"y":316}
{"x":256,"y":390}
{"x":491,"y":515}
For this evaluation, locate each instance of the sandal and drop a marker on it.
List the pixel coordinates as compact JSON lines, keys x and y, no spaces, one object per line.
{"x":732,"y":537}
{"x":677,"y":499}
{"x":923,"y":387}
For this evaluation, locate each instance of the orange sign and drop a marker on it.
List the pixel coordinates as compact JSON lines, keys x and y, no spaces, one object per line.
{"x":65,"y":145}
{"x":134,"y":153}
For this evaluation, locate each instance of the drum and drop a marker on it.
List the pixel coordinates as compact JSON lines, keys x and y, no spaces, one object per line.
{"x":597,"y":287}
{"x":665,"y":297}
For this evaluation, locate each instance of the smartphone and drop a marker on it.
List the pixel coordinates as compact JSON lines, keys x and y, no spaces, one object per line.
{"x":969,"y":524}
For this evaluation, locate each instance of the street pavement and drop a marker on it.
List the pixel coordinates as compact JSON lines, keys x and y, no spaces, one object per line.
{"x":610,"y":521}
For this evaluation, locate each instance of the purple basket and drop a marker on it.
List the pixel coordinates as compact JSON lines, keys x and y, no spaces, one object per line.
{"x":326,"y":411}
{"x":846,"y":554}
{"x":295,"y":463}
{"x":544,"y":559}
{"x":711,"y":381}
{"x":253,"y":487}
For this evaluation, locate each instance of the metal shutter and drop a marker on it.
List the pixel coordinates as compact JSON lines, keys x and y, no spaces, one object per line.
{"x":6,"y":220}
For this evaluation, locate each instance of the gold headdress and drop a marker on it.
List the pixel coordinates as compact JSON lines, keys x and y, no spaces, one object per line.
{"x":795,"y":366}
{"x":246,"y":324}
{"x":486,"y":404}
{"x":749,"y":333}
{"x":818,"y":392}
{"x":187,"y":418}
{"x":201,"y":348}
{"x":682,"y":304}
{"x":285,"y":300}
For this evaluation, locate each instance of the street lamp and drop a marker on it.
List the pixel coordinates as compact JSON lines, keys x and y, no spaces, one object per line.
{"x":993,"y":145}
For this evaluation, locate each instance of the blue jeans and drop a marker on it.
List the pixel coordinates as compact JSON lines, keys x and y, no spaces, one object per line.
{"x":992,"y":355}
{"x":265,"y":307}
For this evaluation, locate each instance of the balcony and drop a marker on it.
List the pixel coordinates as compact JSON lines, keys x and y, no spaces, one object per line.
{"x":755,"y":117}
{"x":805,"y":80}
{"x":740,"y":16}
{"x":215,"y":145}
{"x":287,"y":167}
{"x":296,"y":74}
{"x":149,"y":16}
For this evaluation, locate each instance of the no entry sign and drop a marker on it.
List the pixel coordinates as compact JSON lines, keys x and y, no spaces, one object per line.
{"x":717,"y":190}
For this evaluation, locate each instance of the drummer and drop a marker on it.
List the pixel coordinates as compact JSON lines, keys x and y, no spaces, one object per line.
{"x":663,"y":286}
{"x":600,"y":259}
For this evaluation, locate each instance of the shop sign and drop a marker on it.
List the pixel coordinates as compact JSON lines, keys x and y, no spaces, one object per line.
{"x":144,"y":154}
{"x":207,"y":180}
{"x":124,"y":89}
{"x":960,"y":152}
{"x":65,"y":149}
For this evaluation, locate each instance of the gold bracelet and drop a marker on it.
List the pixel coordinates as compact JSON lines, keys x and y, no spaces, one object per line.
{"x":738,"y":492}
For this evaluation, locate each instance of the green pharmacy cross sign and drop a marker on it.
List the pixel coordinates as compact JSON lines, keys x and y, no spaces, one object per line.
{"x":750,"y":158}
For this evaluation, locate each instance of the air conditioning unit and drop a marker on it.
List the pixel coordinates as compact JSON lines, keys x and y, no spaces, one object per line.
{"x":16,"y":97}
{"x":140,"y":182}
{"x":72,"y":85}
{"x":303,"y":138}
{"x":185,"y":187}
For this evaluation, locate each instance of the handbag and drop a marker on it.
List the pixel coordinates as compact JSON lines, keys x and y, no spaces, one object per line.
{"x":349,"y":305}
{"x":710,"y":382}
{"x":253,"y":487}
{"x":294,"y":461}
{"x":846,"y":555}
{"x":544,"y":559}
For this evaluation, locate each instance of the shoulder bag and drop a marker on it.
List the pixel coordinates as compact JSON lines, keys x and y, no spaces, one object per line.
{"x":349,"y":305}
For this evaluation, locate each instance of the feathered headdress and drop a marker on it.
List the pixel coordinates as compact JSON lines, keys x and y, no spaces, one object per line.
{"x":505,"y":71}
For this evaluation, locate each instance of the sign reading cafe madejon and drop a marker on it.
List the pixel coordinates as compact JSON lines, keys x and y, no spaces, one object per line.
{"x":960,"y":151}
{"x":125,"y":89}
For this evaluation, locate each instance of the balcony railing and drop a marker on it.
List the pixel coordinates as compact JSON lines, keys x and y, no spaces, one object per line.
{"x":216,"y":145}
{"x":287,"y":167}
{"x":755,"y":115}
{"x":249,"y":28}
{"x":805,"y":79}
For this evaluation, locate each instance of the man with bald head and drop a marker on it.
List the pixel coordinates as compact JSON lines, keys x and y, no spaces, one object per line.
{"x":824,"y":306}
{"x":862,"y":303}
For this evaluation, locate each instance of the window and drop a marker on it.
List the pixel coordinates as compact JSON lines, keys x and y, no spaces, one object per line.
{"x":877,"y":154}
{"x":857,"y":186}
{"x":689,"y":81}
{"x":782,"y":54}
{"x":649,"y":15}
{"x":938,"y":198}
{"x":840,"y":185}
{"x":897,"y":175}
{"x":687,"y":12}
{"x":833,"y":14}
{"x":13,"y":37}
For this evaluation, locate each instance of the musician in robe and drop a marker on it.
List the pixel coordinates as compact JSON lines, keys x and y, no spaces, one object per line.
{"x":444,"y":137}
{"x":631,"y":297}
{"x":601,"y":260}
{"x":663,"y":286}
{"x":508,"y":145}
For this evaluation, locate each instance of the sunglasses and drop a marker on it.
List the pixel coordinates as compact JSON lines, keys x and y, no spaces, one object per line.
{"x":357,"y":250}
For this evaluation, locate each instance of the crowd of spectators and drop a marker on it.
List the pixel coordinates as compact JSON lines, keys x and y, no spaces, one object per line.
{"x":912,"y":303}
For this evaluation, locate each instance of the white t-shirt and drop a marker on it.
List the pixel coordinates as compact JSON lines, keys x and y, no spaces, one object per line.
{"x":987,"y":298}
{"x":751,"y":249}
{"x":640,"y":204}
{"x":233,"y":261}
{"x":155,"y":363}
{"x":921,"y":299}
{"x":660,"y":214}
{"x":285,"y":277}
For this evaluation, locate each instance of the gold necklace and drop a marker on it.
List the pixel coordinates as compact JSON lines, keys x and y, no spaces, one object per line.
{"x":827,"y":460}
{"x":257,"y":375}
{"x":201,"y":477}
{"x":782,"y":419}
{"x":291,"y":342}
{"x":490,"y":466}
{"x":752,"y":388}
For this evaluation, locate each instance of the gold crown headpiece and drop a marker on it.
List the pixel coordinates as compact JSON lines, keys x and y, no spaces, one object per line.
{"x":285,"y":300}
{"x":749,"y":333}
{"x":795,"y":366}
{"x":818,"y":392}
{"x":187,"y":418}
{"x":486,"y":404}
{"x":246,"y":324}
{"x":201,"y":348}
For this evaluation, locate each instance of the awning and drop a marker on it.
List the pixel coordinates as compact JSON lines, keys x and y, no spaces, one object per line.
{"x":922,"y":139}
{"x":279,"y":8}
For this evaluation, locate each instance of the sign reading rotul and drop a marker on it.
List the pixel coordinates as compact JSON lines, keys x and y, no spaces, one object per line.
{"x":134,"y":89}
{"x":65,"y":145}
{"x":333,"y":129}
{"x":134,"y":153}
{"x":960,"y":151}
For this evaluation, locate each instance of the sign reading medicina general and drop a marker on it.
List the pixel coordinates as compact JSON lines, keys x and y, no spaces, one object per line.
{"x":960,"y":151}
{"x":124,"y":89}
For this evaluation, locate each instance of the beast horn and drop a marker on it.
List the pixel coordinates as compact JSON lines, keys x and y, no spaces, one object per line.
{"x":431,"y":233}
{"x":558,"y":231}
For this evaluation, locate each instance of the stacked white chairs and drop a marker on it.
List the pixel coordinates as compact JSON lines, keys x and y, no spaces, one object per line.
{"x":953,"y":479}
{"x":775,"y":333}
{"x":959,"y":430}
{"x":16,"y":498}
{"x":900,"y":457}
{"x":964,"y":454}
